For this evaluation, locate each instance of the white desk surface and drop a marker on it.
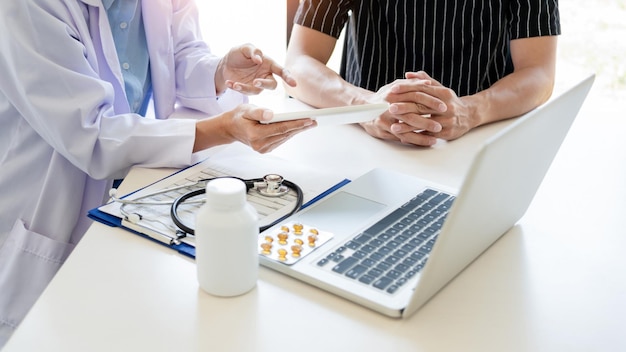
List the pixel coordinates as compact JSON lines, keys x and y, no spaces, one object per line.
{"x":555,"y":282}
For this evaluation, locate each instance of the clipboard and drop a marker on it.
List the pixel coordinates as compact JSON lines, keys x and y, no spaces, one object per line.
{"x":235,"y":160}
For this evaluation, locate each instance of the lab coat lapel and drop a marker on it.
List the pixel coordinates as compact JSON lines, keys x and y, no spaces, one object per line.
{"x":157,"y":19}
{"x":109,"y":65}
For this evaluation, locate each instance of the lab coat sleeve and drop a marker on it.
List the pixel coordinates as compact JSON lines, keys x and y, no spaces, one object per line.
{"x":56,"y":77}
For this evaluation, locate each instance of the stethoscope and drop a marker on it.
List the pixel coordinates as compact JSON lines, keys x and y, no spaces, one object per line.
{"x":271,"y":185}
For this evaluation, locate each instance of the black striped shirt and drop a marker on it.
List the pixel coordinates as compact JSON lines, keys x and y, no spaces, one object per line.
{"x":464,"y":44}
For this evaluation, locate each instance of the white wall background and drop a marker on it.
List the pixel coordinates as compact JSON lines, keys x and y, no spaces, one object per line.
{"x":260,"y":22}
{"x":230,"y":23}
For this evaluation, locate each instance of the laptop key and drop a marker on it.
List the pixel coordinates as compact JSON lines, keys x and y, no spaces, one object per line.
{"x":359,"y":254}
{"x":415,"y":242}
{"x":407,"y":220}
{"x":425,"y":249}
{"x":368,"y":248}
{"x":401,"y":238}
{"x":393,"y":288}
{"x":418,"y":255}
{"x":400,"y":253}
{"x":391,"y":260}
{"x":392,"y":231}
{"x":384,"y":250}
{"x":375,"y":273}
{"x":383,"y":266}
{"x":413,"y":203}
{"x":408,"y":247}
{"x":368,"y":262}
{"x":362,"y":238}
{"x":338,"y":258}
{"x":394,"y":274}
{"x":399,"y":226}
{"x":401,"y":268}
{"x":427,"y":193}
{"x":392,"y":244}
{"x":420,"y":211}
{"x":382,"y":283}
{"x":345,"y":265}
{"x":376,"y":242}
{"x":356,"y":271}
{"x":448,"y":203}
{"x":417,"y":227}
{"x":376,"y":257}
{"x":353,"y":245}
{"x":322,"y":262}
{"x":367,"y":279}
{"x":438,"y":198}
{"x":409,"y":261}
{"x":384,"y":236}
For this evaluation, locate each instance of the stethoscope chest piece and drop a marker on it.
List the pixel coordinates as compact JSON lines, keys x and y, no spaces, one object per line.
{"x":273,"y":186}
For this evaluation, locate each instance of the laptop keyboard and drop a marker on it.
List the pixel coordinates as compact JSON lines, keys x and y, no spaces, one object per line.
{"x":392,"y":251}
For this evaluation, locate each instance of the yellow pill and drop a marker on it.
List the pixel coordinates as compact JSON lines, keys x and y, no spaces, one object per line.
{"x":282,"y":238}
{"x":296,"y":250}
{"x":266,"y":248}
{"x":282,"y":254}
{"x":312,"y":239}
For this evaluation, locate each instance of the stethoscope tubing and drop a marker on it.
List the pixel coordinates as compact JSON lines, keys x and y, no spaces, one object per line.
{"x":186,"y":230}
{"x":249,"y":185}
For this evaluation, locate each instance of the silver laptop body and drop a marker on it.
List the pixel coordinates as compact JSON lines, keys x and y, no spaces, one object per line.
{"x":496,"y":191}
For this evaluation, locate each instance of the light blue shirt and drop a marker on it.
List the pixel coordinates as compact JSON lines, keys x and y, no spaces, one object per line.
{"x":132,"y":49}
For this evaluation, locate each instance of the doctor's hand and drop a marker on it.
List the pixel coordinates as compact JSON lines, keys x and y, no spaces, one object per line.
{"x":410,"y":106}
{"x":454,"y":115}
{"x":247,"y":71}
{"x":243,"y":124}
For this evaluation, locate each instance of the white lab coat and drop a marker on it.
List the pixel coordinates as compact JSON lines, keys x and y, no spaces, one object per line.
{"x":66,"y":127}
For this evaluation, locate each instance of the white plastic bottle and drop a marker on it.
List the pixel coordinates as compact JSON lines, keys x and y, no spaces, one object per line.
{"x":226,"y":239}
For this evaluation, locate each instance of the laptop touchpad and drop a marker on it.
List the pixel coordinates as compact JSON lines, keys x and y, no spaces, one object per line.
{"x":343,"y":213}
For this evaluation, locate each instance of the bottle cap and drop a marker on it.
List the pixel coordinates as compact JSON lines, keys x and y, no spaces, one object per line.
{"x":225,"y":192}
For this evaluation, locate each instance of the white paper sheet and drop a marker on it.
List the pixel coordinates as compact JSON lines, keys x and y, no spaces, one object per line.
{"x":235,"y":160}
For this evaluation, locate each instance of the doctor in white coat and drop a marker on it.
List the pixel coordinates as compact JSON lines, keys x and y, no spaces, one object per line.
{"x":67,"y":127}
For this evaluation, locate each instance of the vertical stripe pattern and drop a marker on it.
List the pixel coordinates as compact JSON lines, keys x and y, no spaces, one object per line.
{"x":464,"y":44}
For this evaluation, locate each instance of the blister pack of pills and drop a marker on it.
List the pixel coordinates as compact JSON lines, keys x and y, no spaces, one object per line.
{"x":291,"y":242}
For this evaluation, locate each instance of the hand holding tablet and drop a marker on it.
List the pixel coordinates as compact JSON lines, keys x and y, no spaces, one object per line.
{"x":334,"y":116}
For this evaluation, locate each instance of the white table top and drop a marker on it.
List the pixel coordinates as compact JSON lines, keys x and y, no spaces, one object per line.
{"x":555,"y":282}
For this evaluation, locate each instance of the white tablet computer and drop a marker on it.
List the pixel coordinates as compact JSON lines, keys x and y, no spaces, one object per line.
{"x":334,"y":116}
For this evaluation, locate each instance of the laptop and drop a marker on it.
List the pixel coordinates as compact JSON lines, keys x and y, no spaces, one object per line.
{"x":397,"y":239}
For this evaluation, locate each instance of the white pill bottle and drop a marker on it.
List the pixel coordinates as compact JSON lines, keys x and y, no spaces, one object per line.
{"x":226,"y":237}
